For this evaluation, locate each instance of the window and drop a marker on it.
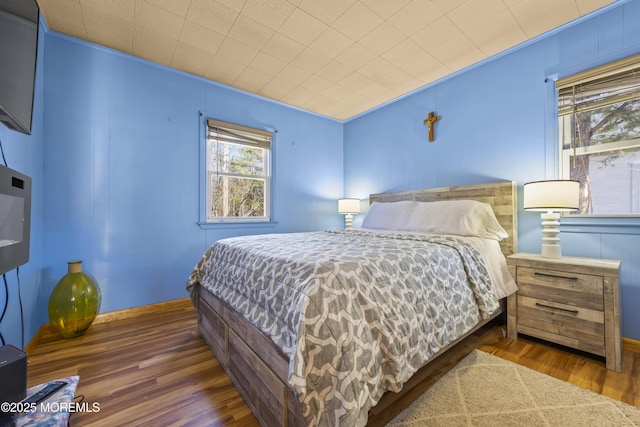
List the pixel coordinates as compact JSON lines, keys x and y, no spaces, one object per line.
{"x":599,"y":123}
{"x":238,"y":172}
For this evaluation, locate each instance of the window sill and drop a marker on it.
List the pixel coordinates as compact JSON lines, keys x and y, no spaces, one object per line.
{"x":601,"y":224}
{"x":236,"y":224}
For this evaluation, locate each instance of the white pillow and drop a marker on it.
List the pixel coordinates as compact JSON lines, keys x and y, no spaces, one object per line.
{"x":388,"y":215}
{"x":459,"y":217}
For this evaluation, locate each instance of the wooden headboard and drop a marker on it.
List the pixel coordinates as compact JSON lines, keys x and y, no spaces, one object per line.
{"x":500,"y":195}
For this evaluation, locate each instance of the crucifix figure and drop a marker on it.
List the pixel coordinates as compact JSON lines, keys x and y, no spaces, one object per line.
{"x":429,"y":121}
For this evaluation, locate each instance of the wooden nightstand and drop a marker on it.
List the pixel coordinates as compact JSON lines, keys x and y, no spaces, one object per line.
{"x":571,"y":301}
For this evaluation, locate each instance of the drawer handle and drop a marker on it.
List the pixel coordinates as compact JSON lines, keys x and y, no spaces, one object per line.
{"x":555,"y":276}
{"x":566,"y":310}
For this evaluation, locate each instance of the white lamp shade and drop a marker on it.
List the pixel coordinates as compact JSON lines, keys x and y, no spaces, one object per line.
{"x":553,"y":195}
{"x":349,"y":206}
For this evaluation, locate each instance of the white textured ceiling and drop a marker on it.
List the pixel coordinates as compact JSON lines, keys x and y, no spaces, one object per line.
{"x":337,"y":58}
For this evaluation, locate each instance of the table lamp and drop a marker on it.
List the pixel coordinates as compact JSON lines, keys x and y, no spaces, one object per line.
{"x":348,"y":207}
{"x":551,"y":197}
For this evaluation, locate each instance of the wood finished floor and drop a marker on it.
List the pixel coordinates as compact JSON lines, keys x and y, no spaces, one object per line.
{"x":155,"y":370}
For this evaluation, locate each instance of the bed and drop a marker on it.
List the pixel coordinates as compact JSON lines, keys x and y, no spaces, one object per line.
{"x":295,"y":342}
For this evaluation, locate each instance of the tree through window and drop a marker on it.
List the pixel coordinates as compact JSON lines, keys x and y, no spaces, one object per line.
{"x":238,"y":172}
{"x":599,"y":118}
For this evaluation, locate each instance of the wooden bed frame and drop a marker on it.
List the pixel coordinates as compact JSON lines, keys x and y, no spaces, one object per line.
{"x":259,"y":369}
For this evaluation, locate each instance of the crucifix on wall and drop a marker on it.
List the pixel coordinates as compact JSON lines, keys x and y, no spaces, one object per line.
{"x":430,"y":121}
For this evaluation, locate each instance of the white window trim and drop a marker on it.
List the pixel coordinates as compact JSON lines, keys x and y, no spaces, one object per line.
{"x":231,"y":222}
{"x":629,"y":64}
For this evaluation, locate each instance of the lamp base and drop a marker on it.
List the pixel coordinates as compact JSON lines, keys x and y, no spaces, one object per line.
{"x":348,"y":220}
{"x":550,"y":239}
{"x":551,"y":251}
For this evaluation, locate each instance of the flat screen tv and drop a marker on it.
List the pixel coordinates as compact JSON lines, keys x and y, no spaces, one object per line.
{"x":15,"y":218}
{"x":18,"y":56}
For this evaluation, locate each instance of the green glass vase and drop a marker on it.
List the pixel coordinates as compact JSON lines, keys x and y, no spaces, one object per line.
{"x":74,"y":302}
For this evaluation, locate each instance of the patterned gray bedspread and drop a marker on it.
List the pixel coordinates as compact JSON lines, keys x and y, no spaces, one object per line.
{"x":356,"y":312}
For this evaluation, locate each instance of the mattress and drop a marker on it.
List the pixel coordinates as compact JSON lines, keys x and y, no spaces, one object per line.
{"x":357,"y":312}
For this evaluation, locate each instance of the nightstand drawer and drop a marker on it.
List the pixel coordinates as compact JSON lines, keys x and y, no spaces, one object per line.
{"x":578,"y":327}
{"x":578,"y":290}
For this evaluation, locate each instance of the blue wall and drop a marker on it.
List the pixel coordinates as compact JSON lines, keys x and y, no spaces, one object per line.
{"x":24,"y":153}
{"x":122,"y":180}
{"x":499,"y":123}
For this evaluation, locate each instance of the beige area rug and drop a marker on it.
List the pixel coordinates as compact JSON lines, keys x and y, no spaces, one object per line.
{"x":484,"y":390}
